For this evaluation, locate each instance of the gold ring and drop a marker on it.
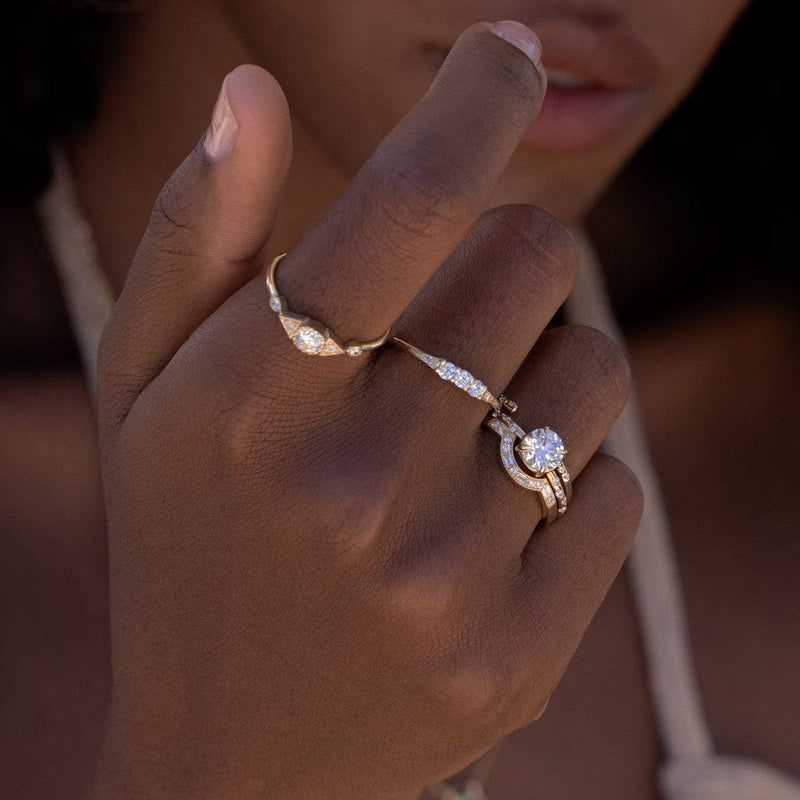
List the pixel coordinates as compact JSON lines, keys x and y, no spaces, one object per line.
{"x":308,"y":335}
{"x":534,"y":461}
{"x":450,"y":372}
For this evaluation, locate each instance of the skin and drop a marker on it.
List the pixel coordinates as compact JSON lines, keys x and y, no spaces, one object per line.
{"x":190,"y":349}
{"x":381,"y":555}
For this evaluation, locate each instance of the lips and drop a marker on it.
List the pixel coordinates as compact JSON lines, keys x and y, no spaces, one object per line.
{"x":599,"y":76}
{"x":583,"y":117}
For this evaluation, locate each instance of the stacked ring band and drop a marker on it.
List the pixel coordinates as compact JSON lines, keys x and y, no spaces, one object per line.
{"x":308,"y":335}
{"x":534,"y":461}
{"x":450,"y":372}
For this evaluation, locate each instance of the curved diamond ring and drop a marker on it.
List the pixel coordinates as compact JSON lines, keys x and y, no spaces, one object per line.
{"x":308,"y":335}
{"x":534,"y":461}
{"x":450,"y":372}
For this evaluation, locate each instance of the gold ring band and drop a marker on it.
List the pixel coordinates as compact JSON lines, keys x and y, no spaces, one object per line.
{"x":534,"y":461}
{"x":308,"y":335}
{"x":448,"y":371}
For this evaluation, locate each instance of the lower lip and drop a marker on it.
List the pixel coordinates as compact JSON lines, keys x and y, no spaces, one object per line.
{"x":583,"y":118}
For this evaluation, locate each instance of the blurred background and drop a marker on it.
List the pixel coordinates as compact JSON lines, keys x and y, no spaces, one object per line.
{"x":702,"y":212}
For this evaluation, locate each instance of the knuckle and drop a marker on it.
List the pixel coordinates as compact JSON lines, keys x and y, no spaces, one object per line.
{"x":423,"y":193}
{"x":472,"y":669}
{"x":345,"y":502}
{"x":467,"y":691}
{"x":624,"y":491}
{"x":548,"y":250}
{"x":604,"y":360}
{"x":173,"y":226}
{"x":236,"y":423}
{"x":618,"y":500}
{"x":420,"y":584}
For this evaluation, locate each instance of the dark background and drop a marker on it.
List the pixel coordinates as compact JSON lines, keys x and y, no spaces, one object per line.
{"x":707,"y":208}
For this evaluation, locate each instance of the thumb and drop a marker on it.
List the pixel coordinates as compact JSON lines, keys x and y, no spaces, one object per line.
{"x":205,"y":237}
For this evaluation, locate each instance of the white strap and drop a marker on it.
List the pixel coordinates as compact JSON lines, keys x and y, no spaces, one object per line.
{"x":87,"y":293}
{"x":725,"y":778}
{"x":654,"y":577}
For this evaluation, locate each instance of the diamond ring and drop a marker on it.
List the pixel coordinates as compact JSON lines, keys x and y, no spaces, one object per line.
{"x":450,"y":372}
{"x":533,"y":460}
{"x":308,"y":335}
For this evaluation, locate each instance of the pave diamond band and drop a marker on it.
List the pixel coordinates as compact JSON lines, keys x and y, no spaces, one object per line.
{"x":534,"y":461}
{"x":448,"y":371}
{"x":308,"y":335}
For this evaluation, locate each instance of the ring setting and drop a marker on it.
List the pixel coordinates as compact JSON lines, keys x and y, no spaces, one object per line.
{"x":534,"y":461}
{"x":308,"y":335}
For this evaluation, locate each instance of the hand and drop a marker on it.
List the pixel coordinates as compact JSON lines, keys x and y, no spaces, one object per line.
{"x":323,"y":583}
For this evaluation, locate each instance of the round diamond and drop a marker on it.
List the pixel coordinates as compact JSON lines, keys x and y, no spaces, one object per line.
{"x":447,"y":371}
{"x":477,"y":389}
{"x":354,"y":350}
{"x":308,"y":340}
{"x":542,"y":450}
{"x":275,"y":304}
{"x":463,"y":379}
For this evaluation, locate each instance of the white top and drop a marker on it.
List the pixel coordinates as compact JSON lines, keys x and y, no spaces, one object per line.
{"x":691,"y":769}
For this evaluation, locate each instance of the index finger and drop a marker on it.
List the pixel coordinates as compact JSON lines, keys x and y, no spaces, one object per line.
{"x":360,"y":264}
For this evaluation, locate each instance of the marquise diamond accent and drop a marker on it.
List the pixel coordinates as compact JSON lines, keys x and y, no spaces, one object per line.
{"x":309,"y":335}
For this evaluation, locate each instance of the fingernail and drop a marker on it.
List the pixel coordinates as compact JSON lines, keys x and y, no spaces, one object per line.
{"x":521,"y":37}
{"x":221,"y":134}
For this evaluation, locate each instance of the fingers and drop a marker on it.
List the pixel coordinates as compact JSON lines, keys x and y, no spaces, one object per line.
{"x":575,"y":382}
{"x":206,"y":232}
{"x":359,"y":266}
{"x":488,"y":303}
{"x":562,"y":579}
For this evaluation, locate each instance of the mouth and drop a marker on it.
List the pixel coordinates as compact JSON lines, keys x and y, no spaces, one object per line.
{"x":579,"y":114}
{"x":561,"y":79}
{"x":599,"y":79}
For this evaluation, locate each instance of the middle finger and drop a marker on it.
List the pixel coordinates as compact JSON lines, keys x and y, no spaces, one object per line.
{"x":363,"y":261}
{"x":487,"y":305}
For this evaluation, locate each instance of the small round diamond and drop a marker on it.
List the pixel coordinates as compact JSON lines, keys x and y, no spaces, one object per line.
{"x":463,"y":379}
{"x":476,"y":390}
{"x":447,"y":371}
{"x":275,"y":304}
{"x":354,"y":350}
{"x":308,"y":340}
{"x":542,"y":450}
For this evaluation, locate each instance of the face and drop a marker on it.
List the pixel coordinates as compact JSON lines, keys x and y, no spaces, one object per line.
{"x":351,"y":69}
